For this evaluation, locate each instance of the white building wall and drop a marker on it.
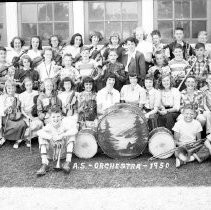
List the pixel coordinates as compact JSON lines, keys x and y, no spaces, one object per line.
{"x":78,"y":17}
{"x":11,"y":20}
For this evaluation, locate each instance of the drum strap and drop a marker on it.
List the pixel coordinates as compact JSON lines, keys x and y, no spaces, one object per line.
{"x":168,"y":107}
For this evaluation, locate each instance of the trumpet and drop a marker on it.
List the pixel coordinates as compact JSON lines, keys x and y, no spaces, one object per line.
{"x":184,"y":151}
{"x":57,"y":154}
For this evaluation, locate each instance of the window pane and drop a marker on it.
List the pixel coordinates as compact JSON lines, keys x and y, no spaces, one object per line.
{"x":165,"y":9}
{"x":182,"y":9}
{"x":127,"y":28}
{"x":185,"y":24}
{"x":1,"y":32}
{"x":198,"y":25}
{"x":111,"y":27}
{"x":29,"y":13}
{"x":45,"y":12}
{"x":61,"y":11}
{"x":113,"y":11}
{"x":166,"y":29}
{"x":199,"y":8}
{"x":62,"y":29}
{"x":129,"y":11}
{"x":28,"y":30}
{"x":1,"y":13}
{"x":45,"y":30}
{"x":96,"y":11}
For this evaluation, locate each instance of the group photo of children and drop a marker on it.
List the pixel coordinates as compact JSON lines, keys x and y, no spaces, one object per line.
{"x":51,"y":93}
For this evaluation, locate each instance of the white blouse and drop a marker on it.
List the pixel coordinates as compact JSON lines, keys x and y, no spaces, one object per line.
{"x":133,"y":94}
{"x":152,"y":99}
{"x":171,"y":98}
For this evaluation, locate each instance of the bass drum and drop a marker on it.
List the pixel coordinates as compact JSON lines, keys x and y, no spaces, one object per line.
{"x":86,"y":144}
{"x":122,"y":131}
{"x":161,"y":141}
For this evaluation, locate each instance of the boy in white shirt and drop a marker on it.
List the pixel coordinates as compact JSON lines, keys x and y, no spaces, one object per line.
{"x":188,"y":130}
{"x":54,"y":135}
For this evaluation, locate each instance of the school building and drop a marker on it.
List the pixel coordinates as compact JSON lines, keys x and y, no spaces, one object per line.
{"x":65,"y":18}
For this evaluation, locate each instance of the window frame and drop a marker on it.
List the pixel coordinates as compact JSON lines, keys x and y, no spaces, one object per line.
{"x":4,"y":33}
{"x":70,"y":20}
{"x":191,"y":40}
{"x":86,"y":18}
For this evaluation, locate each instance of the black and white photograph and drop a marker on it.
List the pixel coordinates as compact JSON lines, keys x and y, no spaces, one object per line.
{"x":105,"y":105}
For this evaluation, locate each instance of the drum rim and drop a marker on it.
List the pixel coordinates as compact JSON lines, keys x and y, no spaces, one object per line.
{"x":113,"y":110}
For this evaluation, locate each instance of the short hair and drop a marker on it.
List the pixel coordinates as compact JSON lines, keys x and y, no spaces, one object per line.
{"x":40,"y":42}
{"x":178,"y":46}
{"x":131,"y":39}
{"x":161,"y":52}
{"x":179,"y":29}
{"x":48,"y":49}
{"x":199,"y":45}
{"x":72,"y":41}
{"x":85,"y":48}
{"x":27,"y":58}
{"x":132,"y":74}
{"x":27,"y":79}
{"x":202,"y":32}
{"x":58,"y":38}
{"x":89,"y":80}
{"x":111,"y":75}
{"x":66,"y":79}
{"x":191,"y":77}
{"x":8,"y":83}
{"x":155,"y":32}
{"x":189,"y":106}
{"x":67,"y":55}
{"x":114,"y":34}
{"x":3,"y":49}
{"x":17,"y":37}
{"x":149,"y":77}
{"x":56,"y":109}
{"x":96,"y":33}
{"x":112,"y":50}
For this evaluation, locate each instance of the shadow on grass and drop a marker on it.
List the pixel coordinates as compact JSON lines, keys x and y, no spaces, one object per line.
{"x":18,"y":169}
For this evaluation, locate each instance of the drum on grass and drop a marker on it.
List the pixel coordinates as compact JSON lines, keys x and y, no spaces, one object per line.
{"x":160,"y":141}
{"x":122,"y":131}
{"x":86,"y":144}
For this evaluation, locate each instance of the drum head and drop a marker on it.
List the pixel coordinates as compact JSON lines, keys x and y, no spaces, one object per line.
{"x":161,"y":142}
{"x":123,"y":131}
{"x":85,"y":145}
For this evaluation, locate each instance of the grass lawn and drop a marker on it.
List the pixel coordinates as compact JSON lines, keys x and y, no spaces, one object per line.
{"x":18,"y":169}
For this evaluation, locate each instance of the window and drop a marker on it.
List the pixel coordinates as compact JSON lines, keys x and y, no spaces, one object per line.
{"x":192,"y":15}
{"x":116,"y":16}
{"x":45,"y":19}
{"x":3,"y":31}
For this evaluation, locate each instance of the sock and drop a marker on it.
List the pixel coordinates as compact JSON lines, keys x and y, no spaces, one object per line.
{"x":43,"y":152}
{"x":192,"y":158}
{"x":69,"y":152}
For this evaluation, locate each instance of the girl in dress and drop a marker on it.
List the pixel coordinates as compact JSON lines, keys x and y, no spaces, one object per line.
{"x":27,"y":102}
{"x":69,"y":70}
{"x":46,"y":100}
{"x":54,"y":41}
{"x":35,"y":49}
{"x":68,"y":99}
{"x":114,"y":43}
{"x":87,"y":107}
{"x":75,"y":47}
{"x":170,"y":103}
{"x":48,"y":68}
{"x":16,"y":44}
{"x":13,"y":126}
{"x":160,"y":67}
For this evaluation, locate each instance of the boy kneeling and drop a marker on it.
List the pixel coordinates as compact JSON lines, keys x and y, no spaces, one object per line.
{"x":189,"y":130}
{"x":58,"y":137}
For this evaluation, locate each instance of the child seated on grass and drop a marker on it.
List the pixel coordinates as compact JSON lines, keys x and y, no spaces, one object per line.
{"x":58,"y":136}
{"x":189,"y":130}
